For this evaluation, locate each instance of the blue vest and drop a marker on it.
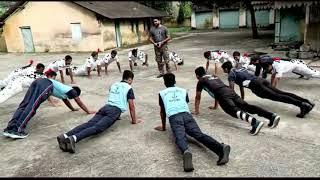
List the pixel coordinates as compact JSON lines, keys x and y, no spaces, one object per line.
{"x":59,"y":89}
{"x":118,"y":95}
{"x":174,"y":100}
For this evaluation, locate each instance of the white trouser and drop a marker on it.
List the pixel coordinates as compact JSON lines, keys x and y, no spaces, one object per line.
{"x":304,"y":70}
{"x":14,"y":87}
{"x":79,"y":71}
{"x":10,"y":77}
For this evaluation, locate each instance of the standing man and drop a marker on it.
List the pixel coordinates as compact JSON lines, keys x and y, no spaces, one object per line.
{"x":159,"y":37}
{"x":173,"y":103}
{"x":230,"y":102}
{"x":120,"y":96}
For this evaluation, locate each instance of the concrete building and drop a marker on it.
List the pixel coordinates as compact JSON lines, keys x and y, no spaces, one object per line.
{"x":49,"y":26}
{"x":204,"y":17}
{"x":298,"y":21}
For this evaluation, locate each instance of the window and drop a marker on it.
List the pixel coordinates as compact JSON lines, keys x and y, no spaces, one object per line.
{"x":76,"y":31}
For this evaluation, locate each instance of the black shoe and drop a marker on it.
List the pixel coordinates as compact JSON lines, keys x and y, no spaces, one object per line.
{"x":160,"y":75}
{"x":256,"y":128}
{"x":304,"y":109}
{"x":187,"y":161}
{"x":71,"y":144}
{"x":224,"y":157}
{"x":62,"y":143}
{"x":135,"y":64}
{"x":274,"y":121}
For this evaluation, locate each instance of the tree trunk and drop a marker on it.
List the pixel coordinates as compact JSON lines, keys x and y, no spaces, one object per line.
{"x":253,"y":20}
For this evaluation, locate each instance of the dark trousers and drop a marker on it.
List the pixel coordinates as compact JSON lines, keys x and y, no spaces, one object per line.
{"x":38,"y":92}
{"x":263,"y":89}
{"x":162,"y":53}
{"x":231,"y":103}
{"x":182,"y":124}
{"x":101,"y":121}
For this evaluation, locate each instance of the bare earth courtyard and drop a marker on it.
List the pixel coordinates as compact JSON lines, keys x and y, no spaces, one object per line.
{"x":125,"y":150}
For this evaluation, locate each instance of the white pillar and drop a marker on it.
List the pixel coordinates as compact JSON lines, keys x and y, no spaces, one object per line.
{"x":215,"y":18}
{"x":271,"y":16}
{"x":193,"y":20}
{"x":306,"y":24}
{"x":242,"y":17}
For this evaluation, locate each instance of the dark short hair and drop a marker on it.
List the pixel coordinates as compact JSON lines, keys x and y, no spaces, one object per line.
{"x":40,"y":65}
{"x":68,"y":57}
{"x":94,"y":53}
{"x":114,"y":52}
{"x":127,"y":74}
{"x":156,"y":18}
{"x":200,"y":71}
{"x":169,"y":79}
{"x":255,"y":57}
{"x":236,"y":53}
{"x":77,"y":89}
{"x":206,"y":54}
{"x":227,"y":65}
{"x":134,"y":50}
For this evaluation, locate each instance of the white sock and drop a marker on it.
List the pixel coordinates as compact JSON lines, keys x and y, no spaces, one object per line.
{"x":65,"y":135}
{"x":75,"y":138}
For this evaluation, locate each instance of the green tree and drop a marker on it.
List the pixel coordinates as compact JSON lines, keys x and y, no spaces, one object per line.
{"x":181,"y":15}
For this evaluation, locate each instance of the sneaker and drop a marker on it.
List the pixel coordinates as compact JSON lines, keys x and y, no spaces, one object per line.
{"x":6,"y":133}
{"x":304,"y":109}
{"x":62,"y":142}
{"x":274,"y":121}
{"x":224,"y":156}
{"x":71,"y":145}
{"x":15,"y":135}
{"x":256,"y":128}
{"x":160,"y":75}
{"x":187,"y":161}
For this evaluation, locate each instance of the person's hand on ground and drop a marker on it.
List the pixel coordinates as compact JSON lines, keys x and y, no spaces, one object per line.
{"x":195,"y":113}
{"x":137,"y":121}
{"x":76,"y":109}
{"x":213,"y":107}
{"x":92,"y":112}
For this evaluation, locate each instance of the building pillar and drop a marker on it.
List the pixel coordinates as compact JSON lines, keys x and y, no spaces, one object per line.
{"x":242,"y":17}
{"x":215,"y":17}
{"x":306,"y":23}
{"x":271,"y":16}
{"x":193,"y":20}
{"x":277,"y":26}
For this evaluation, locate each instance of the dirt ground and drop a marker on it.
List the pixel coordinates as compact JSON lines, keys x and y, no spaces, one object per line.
{"x":125,"y":150}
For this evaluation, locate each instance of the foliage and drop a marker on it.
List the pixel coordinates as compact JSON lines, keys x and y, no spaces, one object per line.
{"x":165,"y":6}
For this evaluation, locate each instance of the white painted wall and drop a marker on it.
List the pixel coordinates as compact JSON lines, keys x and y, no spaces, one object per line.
{"x":193,"y":19}
{"x":271,"y":16}
{"x":215,"y":18}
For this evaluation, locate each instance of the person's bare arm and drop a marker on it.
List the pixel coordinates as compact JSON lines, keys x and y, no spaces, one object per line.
{"x":163,"y":121}
{"x":152,"y":41}
{"x":83,"y":106}
{"x":99,"y":70}
{"x":241,"y":92}
{"x":216,"y":69}
{"x":130,"y":64}
{"x":53,"y":102}
{"x":89,"y":72}
{"x":106,"y":68}
{"x":176,"y":66}
{"x":274,"y":80}
{"x":197,"y":103}
{"x":61,"y":75}
{"x":71,"y":76}
{"x":207,"y":65}
{"x":132,"y":109}
{"x":118,"y":64}
{"x":69,"y":105}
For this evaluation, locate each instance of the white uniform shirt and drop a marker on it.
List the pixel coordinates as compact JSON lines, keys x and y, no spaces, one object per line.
{"x":244,"y":61}
{"x":90,"y":62}
{"x":174,"y":57}
{"x":220,"y":56}
{"x":140,"y":56}
{"x":58,"y":65}
{"x":283,"y":67}
{"x":107,"y":59}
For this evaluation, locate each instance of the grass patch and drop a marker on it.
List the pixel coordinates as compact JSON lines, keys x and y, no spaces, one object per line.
{"x":179,"y":29}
